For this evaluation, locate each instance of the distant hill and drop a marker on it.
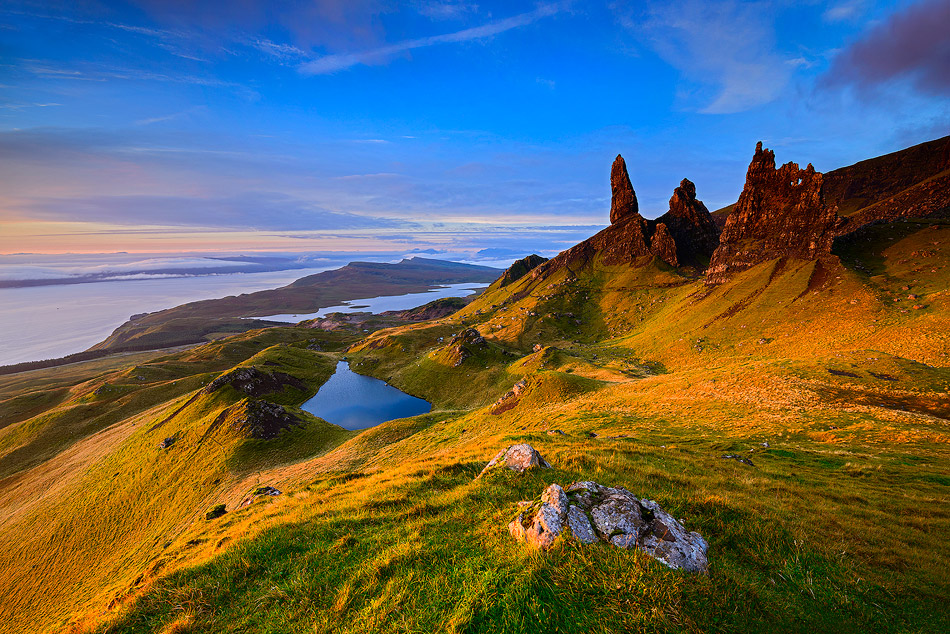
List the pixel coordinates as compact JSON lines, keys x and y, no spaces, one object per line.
{"x":197,"y":321}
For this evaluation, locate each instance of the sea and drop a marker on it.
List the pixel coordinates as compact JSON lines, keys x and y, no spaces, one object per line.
{"x":47,"y":322}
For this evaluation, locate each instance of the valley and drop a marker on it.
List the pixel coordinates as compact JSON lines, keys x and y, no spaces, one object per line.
{"x":780,"y":384}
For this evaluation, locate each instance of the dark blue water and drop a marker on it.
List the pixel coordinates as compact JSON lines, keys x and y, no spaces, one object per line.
{"x":354,"y":401}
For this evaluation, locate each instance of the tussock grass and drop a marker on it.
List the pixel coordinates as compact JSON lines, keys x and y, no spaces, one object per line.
{"x":837,"y":394}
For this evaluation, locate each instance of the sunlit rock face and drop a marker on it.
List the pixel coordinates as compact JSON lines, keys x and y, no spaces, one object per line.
{"x":623,"y":200}
{"x":780,"y":213}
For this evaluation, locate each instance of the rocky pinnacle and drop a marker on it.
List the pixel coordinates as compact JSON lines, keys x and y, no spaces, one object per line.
{"x":623,"y":200}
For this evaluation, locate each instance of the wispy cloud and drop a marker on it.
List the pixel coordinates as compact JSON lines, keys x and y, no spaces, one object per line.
{"x":168,"y":117}
{"x":446,"y":9}
{"x":343,"y":61}
{"x":285,"y":53}
{"x":844,"y":11}
{"x":23,"y":106}
{"x":726,"y":49}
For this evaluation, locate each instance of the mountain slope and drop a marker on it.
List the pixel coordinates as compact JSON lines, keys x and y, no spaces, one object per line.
{"x":795,"y":414}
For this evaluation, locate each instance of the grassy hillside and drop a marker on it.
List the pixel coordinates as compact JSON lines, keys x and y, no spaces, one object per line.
{"x":832,"y":379}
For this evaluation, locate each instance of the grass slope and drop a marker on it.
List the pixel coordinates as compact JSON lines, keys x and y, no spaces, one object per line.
{"x":830,"y":378}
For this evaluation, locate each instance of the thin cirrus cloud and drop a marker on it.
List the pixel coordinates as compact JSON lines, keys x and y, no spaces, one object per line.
{"x":913,"y":44}
{"x":725,"y":51}
{"x":253,"y":210}
{"x":343,"y":61}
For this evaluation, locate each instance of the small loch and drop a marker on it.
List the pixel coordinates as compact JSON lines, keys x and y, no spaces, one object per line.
{"x":354,"y":401}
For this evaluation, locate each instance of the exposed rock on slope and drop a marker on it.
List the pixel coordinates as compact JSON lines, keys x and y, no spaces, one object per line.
{"x":780,"y":213}
{"x":623,"y":200}
{"x":260,"y":420}
{"x":254,"y":382}
{"x":686,"y":234}
{"x":520,"y":268}
{"x":517,"y":458}
{"x":462,"y":346}
{"x":594,"y":512}
{"x":691,"y":226}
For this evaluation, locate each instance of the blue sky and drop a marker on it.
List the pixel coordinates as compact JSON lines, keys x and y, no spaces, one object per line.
{"x":444,"y":126}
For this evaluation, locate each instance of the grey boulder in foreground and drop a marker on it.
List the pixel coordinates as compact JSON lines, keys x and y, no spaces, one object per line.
{"x":593,"y":512}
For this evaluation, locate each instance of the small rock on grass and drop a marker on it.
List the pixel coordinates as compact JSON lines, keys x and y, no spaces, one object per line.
{"x":517,"y":458}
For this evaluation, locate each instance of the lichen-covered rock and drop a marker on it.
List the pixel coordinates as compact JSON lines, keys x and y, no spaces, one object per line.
{"x":594,"y":513}
{"x":555,"y":497}
{"x":668,"y":541}
{"x":580,"y":526}
{"x":517,"y":458}
{"x":617,"y":514}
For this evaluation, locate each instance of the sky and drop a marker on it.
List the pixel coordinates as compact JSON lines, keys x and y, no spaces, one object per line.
{"x":431,"y":126}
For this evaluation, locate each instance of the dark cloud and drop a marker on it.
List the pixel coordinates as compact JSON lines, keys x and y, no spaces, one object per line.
{"x":261,"y":211}
{"x":913,"y":44}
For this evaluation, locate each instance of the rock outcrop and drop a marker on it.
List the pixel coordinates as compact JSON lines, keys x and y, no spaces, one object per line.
{"x":518,"y":458}
{"x":691,"y":226}
{"x":663,"y":246}
{"x":520,"y":268}
{"x":686,"y":234}
{"x":589,"y":512}
{"x":463,"y":346}
{"x":254,"y":382}
{"x":623,"y":200}
{"x":259,"y":420}
{"x":780,"y":213}
{"x":510,"y":399}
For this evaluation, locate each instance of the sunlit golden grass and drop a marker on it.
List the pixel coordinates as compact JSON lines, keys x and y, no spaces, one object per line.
{"x":836,"y":393}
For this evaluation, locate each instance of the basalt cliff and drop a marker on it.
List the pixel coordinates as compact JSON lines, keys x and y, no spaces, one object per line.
{"x":783,"y":212}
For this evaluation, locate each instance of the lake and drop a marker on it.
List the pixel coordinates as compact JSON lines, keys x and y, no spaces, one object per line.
{"x":383,"y":303}
{"x":354,"y":401}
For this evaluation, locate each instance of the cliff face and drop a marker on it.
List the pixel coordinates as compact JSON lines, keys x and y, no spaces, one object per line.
{"x":790,"y":212}
{"x":691,"y":226}
{"x":780,"y":213}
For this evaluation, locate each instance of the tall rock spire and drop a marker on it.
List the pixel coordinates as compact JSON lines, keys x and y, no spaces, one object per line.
{"x":623,"y":200}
